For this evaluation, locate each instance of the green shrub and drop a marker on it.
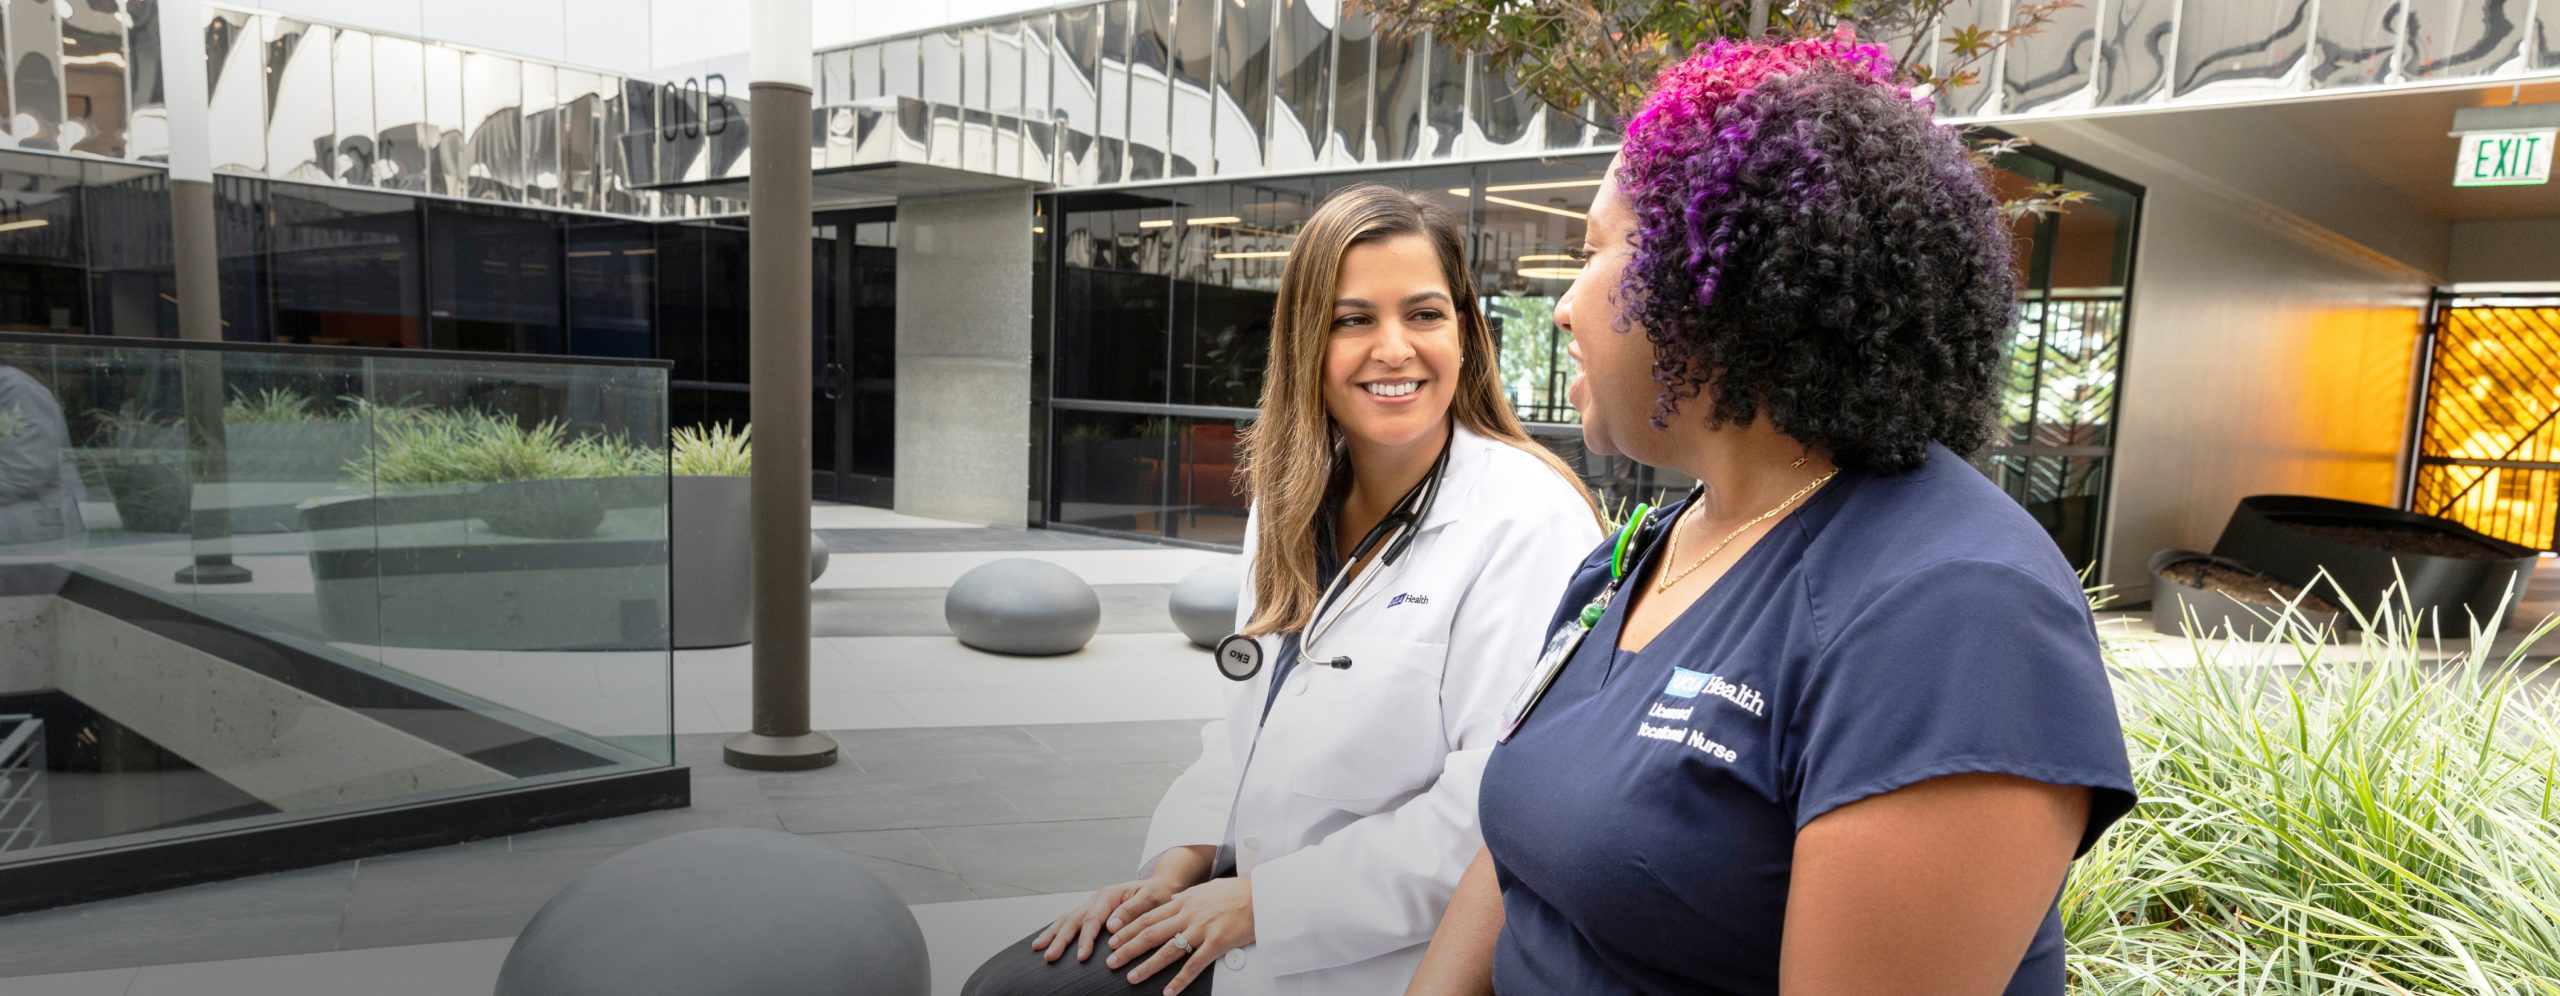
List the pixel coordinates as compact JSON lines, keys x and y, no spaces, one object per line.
{"x":273,"y":406}
{"x":2365,"y":818}
{"x":716,"y":450}
{"x":469,"y":446}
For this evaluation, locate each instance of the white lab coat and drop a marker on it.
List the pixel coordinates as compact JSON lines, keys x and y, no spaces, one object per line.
{"x":1355,"y":813}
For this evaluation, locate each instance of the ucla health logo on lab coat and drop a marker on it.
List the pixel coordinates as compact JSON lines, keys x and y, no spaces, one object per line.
{"x":1408,"y":598}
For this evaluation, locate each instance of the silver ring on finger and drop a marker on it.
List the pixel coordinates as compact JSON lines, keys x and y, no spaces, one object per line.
{"x":1181,"y":944}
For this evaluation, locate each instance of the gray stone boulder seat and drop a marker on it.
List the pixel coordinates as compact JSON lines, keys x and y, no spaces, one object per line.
{"x":722,"y":911}
{"x":1025,"y":607}
{"x":1203,"y":604}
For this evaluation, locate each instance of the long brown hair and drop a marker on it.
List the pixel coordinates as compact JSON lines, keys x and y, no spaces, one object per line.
{"x":1289,"y":455}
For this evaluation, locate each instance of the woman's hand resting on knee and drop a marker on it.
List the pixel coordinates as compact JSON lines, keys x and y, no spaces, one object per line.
{"x":1112,"y":907}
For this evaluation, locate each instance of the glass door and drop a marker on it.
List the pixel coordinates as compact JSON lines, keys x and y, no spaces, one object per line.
{"x":853,"y":428}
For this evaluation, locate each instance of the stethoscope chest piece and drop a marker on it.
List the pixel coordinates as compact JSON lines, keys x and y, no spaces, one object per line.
{"x":1239,"y":657}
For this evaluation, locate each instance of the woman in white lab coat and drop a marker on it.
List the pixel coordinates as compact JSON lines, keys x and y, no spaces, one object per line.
{"x":1407,"y":544}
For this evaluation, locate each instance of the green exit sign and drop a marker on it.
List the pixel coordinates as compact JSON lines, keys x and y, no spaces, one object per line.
{"x":2504,"y":158}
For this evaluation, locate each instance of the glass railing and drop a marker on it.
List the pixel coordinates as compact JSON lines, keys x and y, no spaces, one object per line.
{"x":249,"y":585}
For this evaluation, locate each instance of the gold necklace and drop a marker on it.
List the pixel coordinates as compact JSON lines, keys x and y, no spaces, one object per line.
{"x":1663,"y":585}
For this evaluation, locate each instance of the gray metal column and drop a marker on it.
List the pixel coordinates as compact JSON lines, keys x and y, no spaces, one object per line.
{"x":778,"y":261}
{"x":197,"y":256}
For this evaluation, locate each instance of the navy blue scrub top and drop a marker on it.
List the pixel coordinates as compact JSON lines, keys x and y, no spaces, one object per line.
{"x":1895,"y":628}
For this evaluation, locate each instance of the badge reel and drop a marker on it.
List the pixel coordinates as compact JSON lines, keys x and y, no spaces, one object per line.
{"x":1568,"y":637}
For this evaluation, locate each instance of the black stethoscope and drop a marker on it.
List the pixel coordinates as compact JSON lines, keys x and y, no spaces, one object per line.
{"x":1240,"y":656}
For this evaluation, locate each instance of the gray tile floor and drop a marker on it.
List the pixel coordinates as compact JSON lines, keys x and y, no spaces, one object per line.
{"x":940,"y":814}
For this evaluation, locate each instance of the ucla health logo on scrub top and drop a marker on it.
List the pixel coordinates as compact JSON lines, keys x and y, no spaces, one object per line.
{"x":1688,"y":684}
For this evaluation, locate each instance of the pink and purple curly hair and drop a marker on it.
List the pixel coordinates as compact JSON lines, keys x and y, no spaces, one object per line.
{"x":1811,"y":246}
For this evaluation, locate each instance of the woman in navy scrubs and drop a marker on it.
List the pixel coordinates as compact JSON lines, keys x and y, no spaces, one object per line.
{"x":1840,"y":723}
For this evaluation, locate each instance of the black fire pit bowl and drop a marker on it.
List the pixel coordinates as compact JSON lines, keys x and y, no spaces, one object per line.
{"x":2288,"y":537}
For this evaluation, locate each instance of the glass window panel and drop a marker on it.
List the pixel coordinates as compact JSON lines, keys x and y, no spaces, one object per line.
{"x":493,"y":113}
{"x":93,"y":79}
{"x":2133,"y":68}
{"x":902,"y":67}
{"x":724,"y":302}
{"x":866,"y":73}
{"x":346,"y":267}
{"x":400,"y":114}
{"x":150,"y":92}
{"x":1150,"y":89}
{"x":2223,"y":45}
{"x":2054,"y":67}
{"x":541,"y":134}
{"x":2355,"y":42}
{"x":1567,"y":128}
{"x":235,"y":106}
{"x":1195,"y":45}
{"x":1005,"y":95}
{"x":35,"y":73}
{"x":1301,"y":84}
{"x":582,"y":100}
{"x":1532,"y":220}
{"x":240,"y":206}
{"x":1039,"y":122}
{"x":301,"y":117}
{"x":1502,"y":118}
{"x":1227,"y":283}
{"x":1110,"y":470}
{"x":835,"y":77}
{"x":448,"y":162}
{"x":1446,"y":107}
{"x":1074,"y":95}
{"x":1244,"y":85}
{"x":1973,"y":98}
{"x":943,"y":66}
{"x":1397,"y":135}
{"x":2542,"y":45}
{"x":493,"y":279}
{"x":2451,"y":39}
{"x":1348,"y":142}
{"x":127,"y":210}
{"x":632,"y":161}
{"x":1115,"y":297}
{"x":351,"y":106}
{"x":612,"y":287}
{"x":977,"y":103}
{"x":43,"y":256}
{"x":1119,"y":19}
{"x":680,"y":296}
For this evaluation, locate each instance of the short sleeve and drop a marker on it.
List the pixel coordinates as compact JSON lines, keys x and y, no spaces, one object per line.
{"x":1965,"y":667}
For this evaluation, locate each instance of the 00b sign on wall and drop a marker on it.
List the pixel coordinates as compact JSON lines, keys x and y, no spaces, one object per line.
{"x":2504,"y":158}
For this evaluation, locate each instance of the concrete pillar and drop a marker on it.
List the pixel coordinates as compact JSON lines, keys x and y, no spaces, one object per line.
{"x":964,"y":356}
{"x":778,"y":365}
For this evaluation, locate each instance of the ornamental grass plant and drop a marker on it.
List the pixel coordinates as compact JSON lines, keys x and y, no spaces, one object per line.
{"x":716,"y":450}
{"x":2374,"y":817}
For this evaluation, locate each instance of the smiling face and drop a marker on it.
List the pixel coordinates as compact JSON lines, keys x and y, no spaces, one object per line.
{"x":1392,"y":352}
{"x":1615,"y":389}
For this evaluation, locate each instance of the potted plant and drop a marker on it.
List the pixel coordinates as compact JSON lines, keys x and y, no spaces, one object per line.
{"x":2445,"y":572}
{"x":141,"y":459}
{"x":543,"y":540}
{"x":2225,"y":596}
{"x":714,"y":549}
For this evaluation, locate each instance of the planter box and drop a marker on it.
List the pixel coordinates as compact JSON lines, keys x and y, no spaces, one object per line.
{"x":714,"y":580}
{"x":2294,"y":538}
{"x":2217,"y":613}
{"x":421,"y":569}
